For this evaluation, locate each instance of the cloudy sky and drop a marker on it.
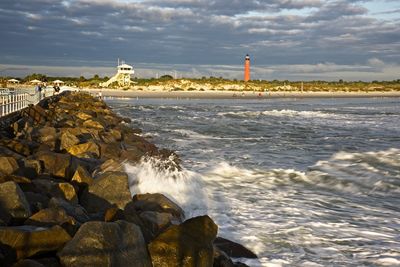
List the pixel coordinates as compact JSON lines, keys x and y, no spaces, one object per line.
{"x":286,"y":39}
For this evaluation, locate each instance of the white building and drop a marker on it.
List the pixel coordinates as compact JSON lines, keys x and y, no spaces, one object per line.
{"x":123,"y":76}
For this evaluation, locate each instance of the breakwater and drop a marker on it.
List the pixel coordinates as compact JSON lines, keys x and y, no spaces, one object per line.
{"x":65,"y":197}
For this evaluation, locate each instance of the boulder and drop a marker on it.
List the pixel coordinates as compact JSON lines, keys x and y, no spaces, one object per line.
{"x":109,"y":165}
{"x":16,"y":178}
{"x":8,"y":165}
{"x":32,"y":168}
{"x":53,"y":216}
{"x":93,"y":124}
{"x":111,"y":136}
{"x":221,"y":259}
{"x":28,"y":263}
{"x":107,"y":189}
{"x":67,"y":140}
{"x":113,"y":214}
{"x":106,"y":244}
{"x":56,"y":164}
{"x":233,"y":249}
{"x":82,"y":177}
{"x":37,"y":201}
{"x":74,"y":210}
{"x":187,"y":244}
{"x":159,"y":203}
{"x":83,"y":116}
{"x":25,"y":241}
{"x":19,"y":146}
{"x":54,"y":188}
{"x":156,"y":221}
{"x":13,"y":201}
{"x":45,"y":135}
{"x":85,"y":150}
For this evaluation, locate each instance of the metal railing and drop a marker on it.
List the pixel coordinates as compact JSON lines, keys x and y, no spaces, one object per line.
{"x":12,"y":102}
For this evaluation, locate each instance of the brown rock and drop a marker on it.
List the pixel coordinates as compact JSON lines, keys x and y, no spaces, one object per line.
{"x":68,"y":140}
{"x":107,"y":189}
{"x":45,"y":135}
{"x":85,"y":150}
{"x":56,"y":164}
{"x":28,"y":263}
{"x":13,"y":201}
{"x":83,"y":116}
{"x":8,"y":165}
{"x":82,"y":177}
{"x":93,"y":124}
{"x":74,"y":210}
{"x":233,"y":249}
{"x":106,"y":244}
{"x":157,"y":221}
{"x":188,"y":244}
{"x":159,"y":203}
{"x":27,"y":241}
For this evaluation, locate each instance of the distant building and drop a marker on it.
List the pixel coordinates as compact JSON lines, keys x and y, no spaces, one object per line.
{"x":247,"y":68}
{"x":123,"y":76}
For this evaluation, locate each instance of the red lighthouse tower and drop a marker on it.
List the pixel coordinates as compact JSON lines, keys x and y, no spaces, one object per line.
{"x":247,"y":68}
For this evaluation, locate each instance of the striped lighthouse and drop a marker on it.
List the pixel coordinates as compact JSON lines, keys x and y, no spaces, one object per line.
{"x":247,"y":68}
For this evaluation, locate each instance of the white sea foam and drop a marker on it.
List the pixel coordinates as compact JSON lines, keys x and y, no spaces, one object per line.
{"x":280,"y":113}
{"x":183,"y":187}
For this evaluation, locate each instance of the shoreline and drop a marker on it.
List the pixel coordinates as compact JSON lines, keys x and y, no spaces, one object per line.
{"x":234,"y":95}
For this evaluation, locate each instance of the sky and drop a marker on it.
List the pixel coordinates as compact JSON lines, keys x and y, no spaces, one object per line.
{"x":286,"y":39}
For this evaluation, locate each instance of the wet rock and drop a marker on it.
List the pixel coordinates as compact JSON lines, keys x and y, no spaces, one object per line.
{"x":85,"y":150}
{"x":13,"y":201}
{"x":109,"y":165}
{"x":106,"y":244}
{"x":8,"y":165}
{"x":233,"y":249}
{"x":56,"y":164}
{"x":107,"y":189}
{"x":221,"y":259}
{"x":26,"y":241}
{"x":68,"y":140}
{"x":187,"y":244}
{"x":159,"y":203}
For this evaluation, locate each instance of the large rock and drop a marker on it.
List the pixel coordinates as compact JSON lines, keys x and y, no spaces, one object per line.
{"x":82,"y":177}
{"x":13,"y":201}
{"x":156,"y":221}
{"x":54,"y":216}
{"x":45,"y":135}
{"x":54,"y":188}
{"x":93,"y":124}
{"x":25,"y":241}
{"x":159,"y":203}
{"x":37,"y":201}
{"x":67,"y":140}
{"x":56,"y":164}
{"x":108,"y":189}
{"x":85,"y":150}
{"x":8,"y":165}
{"x":187,"y":244}
{"x":106,"y":244}
{"x":233,"y":249}
{"x":74,"y":210}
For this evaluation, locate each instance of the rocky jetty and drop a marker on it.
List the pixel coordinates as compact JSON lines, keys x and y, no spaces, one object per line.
{"x":65,"y":198}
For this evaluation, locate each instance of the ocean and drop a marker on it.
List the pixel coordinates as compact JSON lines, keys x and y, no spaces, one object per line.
{"x":301,"y":182}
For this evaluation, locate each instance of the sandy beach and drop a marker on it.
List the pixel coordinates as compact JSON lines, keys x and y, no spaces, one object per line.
{"x":231,"y":94}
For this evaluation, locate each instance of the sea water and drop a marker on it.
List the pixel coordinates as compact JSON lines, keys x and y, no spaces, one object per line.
{"x":301,"y":182}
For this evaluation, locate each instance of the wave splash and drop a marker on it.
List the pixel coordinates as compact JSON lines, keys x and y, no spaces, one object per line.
{"x":184,"y":187}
